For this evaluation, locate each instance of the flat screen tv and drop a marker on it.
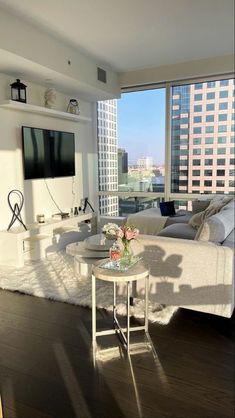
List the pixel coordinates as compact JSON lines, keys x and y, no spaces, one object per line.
{"x":47,"y":153}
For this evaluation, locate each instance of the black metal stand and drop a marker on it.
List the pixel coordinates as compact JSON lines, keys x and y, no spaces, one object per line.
{"x":16,"y":209}
{"x":85,"y":205}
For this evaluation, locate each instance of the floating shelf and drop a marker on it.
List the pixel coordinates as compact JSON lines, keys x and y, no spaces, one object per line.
{"x":25,"y":107}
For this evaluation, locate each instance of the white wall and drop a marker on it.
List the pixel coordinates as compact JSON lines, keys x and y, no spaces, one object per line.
{"x":47,"y":57}
{"x":180,"y":71}
{"x":37,"y":199}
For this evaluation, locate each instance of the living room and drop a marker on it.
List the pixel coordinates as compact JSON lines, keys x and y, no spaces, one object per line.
{"x":78,"y":65}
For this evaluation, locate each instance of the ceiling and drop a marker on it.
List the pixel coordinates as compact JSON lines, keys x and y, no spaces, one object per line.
{"x":134,"y":34}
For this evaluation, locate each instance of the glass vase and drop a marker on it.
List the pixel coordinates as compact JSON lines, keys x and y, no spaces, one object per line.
{"x":126,"y":253}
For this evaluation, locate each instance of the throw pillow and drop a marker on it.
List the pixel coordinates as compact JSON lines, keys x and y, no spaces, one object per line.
{"x":167,"y":208}
{"x":197,"y":219}
{"x":216,"y":228}
{"x":199,"y":205}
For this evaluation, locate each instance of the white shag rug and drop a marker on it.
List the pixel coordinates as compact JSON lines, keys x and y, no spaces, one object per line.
{"x":53,"y":278}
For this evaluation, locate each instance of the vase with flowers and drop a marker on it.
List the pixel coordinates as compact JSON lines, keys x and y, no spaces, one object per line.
{"x":126,"y":234}
{"x":110,"y":231}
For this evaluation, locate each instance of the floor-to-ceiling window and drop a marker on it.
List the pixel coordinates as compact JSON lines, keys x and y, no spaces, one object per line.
{"x":135,"y":172}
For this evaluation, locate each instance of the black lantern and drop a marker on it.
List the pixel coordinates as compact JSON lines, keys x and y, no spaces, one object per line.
{"x":18,"y":91}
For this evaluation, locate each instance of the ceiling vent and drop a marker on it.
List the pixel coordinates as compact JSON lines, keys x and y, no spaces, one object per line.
{"x":101,"y":75}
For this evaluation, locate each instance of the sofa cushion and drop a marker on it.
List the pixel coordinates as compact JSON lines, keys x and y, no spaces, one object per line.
{"x":217,"y":227}
{"x":199,"y":205}
{"x":178,"y":230}
{"x":182,"y":216}
{"x":197,"y":219}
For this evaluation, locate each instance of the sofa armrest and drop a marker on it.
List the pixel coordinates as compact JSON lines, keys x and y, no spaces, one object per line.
{"x":188,"y":273}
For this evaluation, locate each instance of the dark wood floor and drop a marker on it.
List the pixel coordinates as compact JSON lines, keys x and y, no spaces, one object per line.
{"x":47,"y":369}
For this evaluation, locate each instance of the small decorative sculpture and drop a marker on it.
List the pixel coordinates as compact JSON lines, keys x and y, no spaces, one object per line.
{"x":73,"y":107}
{"x":16,"y":209}
{"x":50,"y":97}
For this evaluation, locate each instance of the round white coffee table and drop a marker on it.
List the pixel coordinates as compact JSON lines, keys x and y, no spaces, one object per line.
{"x":88,"y":252}
{"x":136,"y":272}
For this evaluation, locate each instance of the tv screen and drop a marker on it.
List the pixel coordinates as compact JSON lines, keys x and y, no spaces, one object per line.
{"x":47,"y":153}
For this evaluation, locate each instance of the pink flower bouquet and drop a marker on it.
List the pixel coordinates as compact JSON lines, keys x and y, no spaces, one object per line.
{"x":125,"y":234}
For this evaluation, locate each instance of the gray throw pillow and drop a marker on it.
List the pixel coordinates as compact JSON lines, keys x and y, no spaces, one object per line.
{"x":199,"y":205}
{"x":197,"y":219}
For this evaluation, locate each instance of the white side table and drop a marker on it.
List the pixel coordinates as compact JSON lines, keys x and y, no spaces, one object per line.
{"x":136,"y":272}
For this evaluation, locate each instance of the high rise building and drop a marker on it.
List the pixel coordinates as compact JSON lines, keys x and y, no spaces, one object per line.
{"x":107,"y":155}
{"x":145,"y":163}
{"x":122,"y":166}
{"x":203,"y":137}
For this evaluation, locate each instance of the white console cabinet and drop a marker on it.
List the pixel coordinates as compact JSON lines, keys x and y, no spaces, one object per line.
{"x":18,"y":245}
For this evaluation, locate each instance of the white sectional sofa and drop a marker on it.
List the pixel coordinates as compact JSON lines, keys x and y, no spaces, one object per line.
{"x":192,"y":268}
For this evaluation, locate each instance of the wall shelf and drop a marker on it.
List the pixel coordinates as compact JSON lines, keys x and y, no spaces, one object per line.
{"x":54,"y":113}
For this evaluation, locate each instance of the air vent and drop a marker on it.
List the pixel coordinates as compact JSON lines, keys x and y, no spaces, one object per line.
{"x":101,"y":75}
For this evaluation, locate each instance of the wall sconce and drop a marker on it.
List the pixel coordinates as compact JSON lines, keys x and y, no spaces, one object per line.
{"x":18,"y":91}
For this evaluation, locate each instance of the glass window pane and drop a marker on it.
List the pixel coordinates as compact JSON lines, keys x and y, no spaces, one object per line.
{"x":210,"y":107}
{"x":210,"y":118}
{"x":198,"y":86}
{"x":208,"y":151}
{"x":197,"y":97}
{"x":208,"y":172}
{"x":210,"y":96}
{"x":223,"y":117}
{"x":223,"y":106}
{"x":210,"y":84}
{"x":222,"y":128}
{"x":224,"y":83}
{"x":197,"y":108}
{"x":221,"y":151}
{"x":209,"y":129}
{"x":223,"y":94}
{"x":209,"y":140}
{"x":221,"y":161}
{"x":222,"y":139}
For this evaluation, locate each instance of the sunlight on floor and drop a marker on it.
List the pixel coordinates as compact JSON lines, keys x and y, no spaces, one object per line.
{"x":70,"y":380}
{"x":105,"y":357}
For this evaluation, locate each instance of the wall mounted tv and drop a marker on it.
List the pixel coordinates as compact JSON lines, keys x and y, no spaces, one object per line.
{"x":47,"y":153}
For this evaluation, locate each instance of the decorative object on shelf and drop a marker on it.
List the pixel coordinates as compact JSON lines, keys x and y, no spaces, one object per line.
{"x":16,"y":209}
{"x":75,"y":211}
{"x":73,"y":107}
{"x":18,"y":91}
{"x":86,"y":202}
{"x":126,"y":234}
{"x":110,"y":230}
{"x":40,"y":218}
{"x":50,"y":97}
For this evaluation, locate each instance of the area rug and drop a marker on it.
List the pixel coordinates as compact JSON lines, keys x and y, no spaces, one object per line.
{"x":53,"y":278}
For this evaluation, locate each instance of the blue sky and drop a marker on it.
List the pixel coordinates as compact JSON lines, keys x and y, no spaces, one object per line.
{"x":141,"y":124}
